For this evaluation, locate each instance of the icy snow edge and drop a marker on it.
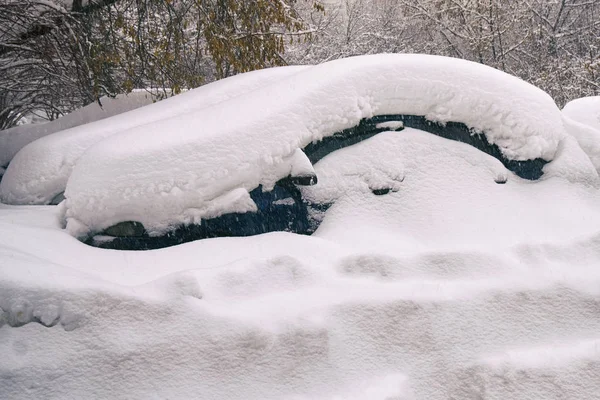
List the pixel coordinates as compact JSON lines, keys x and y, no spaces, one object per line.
{"x":179,"y":170}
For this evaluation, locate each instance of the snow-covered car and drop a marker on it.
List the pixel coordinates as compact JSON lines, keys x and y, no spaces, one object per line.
{"x":438,"y":269}
{"x":237,"y":168}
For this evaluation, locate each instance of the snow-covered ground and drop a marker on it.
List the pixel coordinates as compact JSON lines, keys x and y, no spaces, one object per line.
{"x":451,"y":286}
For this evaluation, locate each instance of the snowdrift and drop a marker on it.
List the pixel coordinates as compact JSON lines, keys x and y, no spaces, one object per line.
{"x":203,"y":163}
{"x":40,"y":171}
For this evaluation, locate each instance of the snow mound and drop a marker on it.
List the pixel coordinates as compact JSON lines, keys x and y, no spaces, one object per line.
{"x":14,"y":139}
{"x":585,"y":110}
{"x":40,"y":171}
{"x":588,"y":139}
{"x":176,"y":167}
{"x":581,"y":119}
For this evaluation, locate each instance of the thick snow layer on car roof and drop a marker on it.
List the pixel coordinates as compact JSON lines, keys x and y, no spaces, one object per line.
{"x":40,"y":171}
{"x":452,"y":287}
{"x":14,"y":139}
{"x":180,"y":170}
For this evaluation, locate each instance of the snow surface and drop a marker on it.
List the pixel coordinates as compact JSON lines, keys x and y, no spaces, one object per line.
{"x":40,"y":171}
{"x":203,"y":163}
{"x":451,"y":287}
{"x":14,"y":139}
{"x":581,"y":119}
{"x":585,"y":110}
{"x":391,"y":125}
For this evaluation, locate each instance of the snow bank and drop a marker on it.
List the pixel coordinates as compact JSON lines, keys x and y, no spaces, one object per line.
{"x":177,"y":167}
{"x":40,"y":171}
{"x":14,"y":139}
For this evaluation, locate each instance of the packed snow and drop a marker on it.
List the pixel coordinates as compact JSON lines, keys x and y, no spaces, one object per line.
{"x":39,"y":172}
{"x":450,"y":286}
{"x":14,"y":139}
{"x":203,"y":163}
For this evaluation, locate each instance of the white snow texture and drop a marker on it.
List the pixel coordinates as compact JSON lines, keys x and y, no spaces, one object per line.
{"x":585,"y":110}
{"x":581,"y":118}
{"x":452,"y":287}
{"x":40,"y":171}
{"x":449,"y":287}
{"x":14,"y":139}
